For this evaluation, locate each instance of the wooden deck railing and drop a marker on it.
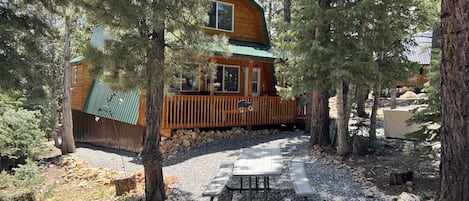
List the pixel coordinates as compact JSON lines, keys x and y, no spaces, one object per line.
{"x":417,"y":81}
{"x":222,"y":111}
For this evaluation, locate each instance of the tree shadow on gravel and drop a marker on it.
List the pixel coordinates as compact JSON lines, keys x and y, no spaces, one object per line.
{"x":226,"y":144}
{"x":273,"y":195}
{"x":129,"y":154}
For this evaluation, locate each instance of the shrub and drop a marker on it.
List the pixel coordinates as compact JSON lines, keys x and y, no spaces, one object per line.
{"x":21,"y":185}
{"x":20,"y":136}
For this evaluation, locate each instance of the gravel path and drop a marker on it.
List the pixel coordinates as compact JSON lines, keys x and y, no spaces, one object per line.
{"x":196,"y":167}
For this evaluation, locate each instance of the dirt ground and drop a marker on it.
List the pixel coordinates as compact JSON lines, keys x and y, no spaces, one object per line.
{"x":397,"y":155}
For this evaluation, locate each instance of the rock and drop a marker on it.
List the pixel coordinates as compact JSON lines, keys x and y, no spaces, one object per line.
{"x":82,"y":184}
{"x":184,"y":140}
{"x":404,"y":196}
{"x":408,"y":94}
{"x":360,"y":171}
{"x":410,"y":189}
{"x":186,"y":143}
{"x":436,"y":147}
{"x":399,"y":178}
{"x":368,"y":184}
{"x":390,"y":198}
{"x":194,"y":135}
{"x":275,"y":132}
{"x":238,"y":132}
{"x":371,"y":192}
{"x":436,"y":164}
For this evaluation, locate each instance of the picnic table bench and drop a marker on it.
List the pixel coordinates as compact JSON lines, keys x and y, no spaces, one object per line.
{"x":300,"y":182}
{"x":218,"y":182}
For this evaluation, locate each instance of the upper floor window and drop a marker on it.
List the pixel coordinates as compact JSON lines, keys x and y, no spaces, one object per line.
{"x":221,"y":16}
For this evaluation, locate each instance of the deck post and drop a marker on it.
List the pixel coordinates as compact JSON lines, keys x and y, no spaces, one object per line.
{"x":248,"y":121}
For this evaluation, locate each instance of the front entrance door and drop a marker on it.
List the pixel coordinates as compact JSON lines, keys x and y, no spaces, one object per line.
{"x":255,"y":83}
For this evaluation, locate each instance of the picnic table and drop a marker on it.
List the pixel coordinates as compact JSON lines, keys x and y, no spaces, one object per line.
{"x":258,"y":163}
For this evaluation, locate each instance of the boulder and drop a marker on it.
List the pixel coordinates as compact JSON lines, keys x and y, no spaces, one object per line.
{"x":186,"y":143}
{"x":371,"y":192}
{"x":408,"y":94}
{"x":404,"y":196}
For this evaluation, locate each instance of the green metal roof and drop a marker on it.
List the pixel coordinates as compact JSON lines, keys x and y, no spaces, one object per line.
{"x":77,"y":60}
{"x":247,"y":52}
{"x":119,"y":106}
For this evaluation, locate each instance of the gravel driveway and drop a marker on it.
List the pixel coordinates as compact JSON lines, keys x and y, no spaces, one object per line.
{"x":196,"y":167}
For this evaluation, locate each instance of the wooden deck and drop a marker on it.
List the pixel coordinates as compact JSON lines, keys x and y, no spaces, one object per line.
{"x":222,"y":111}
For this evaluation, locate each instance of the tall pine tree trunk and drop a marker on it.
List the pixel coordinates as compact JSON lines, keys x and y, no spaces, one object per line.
{"x":361,"y":101}
{"x":68,"y":142}
{"x":308,"y":118}
{"x":320,"y":96}
{"x":151,"y":155}
{"x":374,"y":111}
{"x":344,"y":107}
{"x":287,"y":11}
{"x":319,"y":117}
{"x":454,"y":179}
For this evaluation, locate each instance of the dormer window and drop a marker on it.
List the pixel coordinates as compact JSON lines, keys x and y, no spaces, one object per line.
{"x":221,"y":16}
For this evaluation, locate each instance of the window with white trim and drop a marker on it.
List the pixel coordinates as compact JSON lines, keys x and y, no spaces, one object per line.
{"x":256,"y":76}
{"x":221,"y":16}
{"x":74,"y":74}
{"x":227,"y":79}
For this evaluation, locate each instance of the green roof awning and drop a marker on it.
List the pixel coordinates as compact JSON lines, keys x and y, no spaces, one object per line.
{"x":247,"y":52}
{"x":77,"y":60}
{"x":102,"y":102}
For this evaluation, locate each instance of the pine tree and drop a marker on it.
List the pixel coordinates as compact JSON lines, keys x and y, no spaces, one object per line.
{"x":150,"y":40}
{"x":306,"y":42}
{"x":22,"y":33}
{"x":388,"y":28}
{"x":53,"y":73}
{"x":454,"y":168}
{"x":341,"y":44}
{"x":430,"y":116}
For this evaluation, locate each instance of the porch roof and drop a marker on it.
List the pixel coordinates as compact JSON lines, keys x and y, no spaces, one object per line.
{"x":77,"y":60}
{"x":249,"y":52}
{"x":119,"y":106}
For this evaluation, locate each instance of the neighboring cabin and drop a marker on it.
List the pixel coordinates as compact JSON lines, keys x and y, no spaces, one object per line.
{"x":247,"y":75}
{"x":419,"y":53}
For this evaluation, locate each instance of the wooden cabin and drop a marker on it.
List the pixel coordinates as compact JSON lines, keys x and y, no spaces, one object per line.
{"x":420,"y":53}
{"x":117,"y":120}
